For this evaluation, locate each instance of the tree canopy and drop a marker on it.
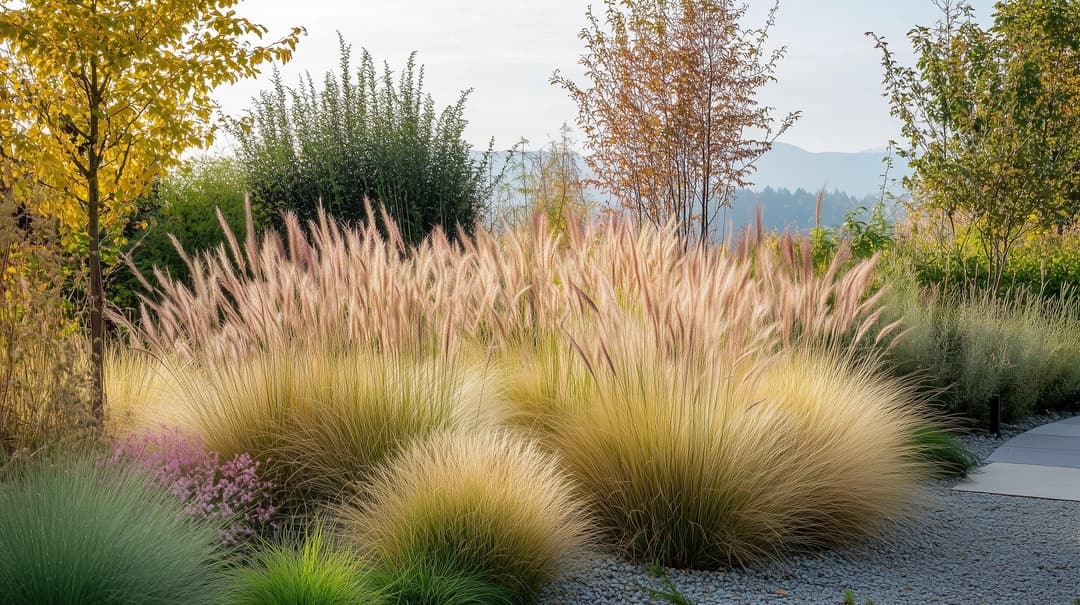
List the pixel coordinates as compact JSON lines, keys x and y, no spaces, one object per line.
{"x":991,"y":118}
{"x":670,"y":114}
{"x":100,"y":97}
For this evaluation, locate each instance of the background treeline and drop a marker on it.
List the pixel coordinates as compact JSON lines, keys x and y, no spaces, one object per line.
{"x":783,"y":208}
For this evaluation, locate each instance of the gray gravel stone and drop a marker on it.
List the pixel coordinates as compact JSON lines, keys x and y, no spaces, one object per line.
{"x":966,"y":548}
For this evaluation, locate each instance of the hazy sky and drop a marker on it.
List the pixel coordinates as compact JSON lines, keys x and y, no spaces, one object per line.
{"x":506,"y":51}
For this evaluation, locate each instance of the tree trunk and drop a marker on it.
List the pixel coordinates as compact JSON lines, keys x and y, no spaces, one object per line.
{"x":97,"y":303}
{"x":93,"y":231}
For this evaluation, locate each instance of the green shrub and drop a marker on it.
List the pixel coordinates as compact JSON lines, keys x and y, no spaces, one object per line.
{"x":80,"y":531}
{"x":184,"y":206}
{"x":864,"y":232}
{"x":483,"y":505}
{"x":363,"y":135}
{"x":1043,"y":262}
{"x":313,"y":573}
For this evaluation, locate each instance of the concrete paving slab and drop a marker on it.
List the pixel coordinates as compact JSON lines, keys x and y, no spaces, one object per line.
{"x":1045,"y":441}
{"x":1063,"y":429}
{"x":1035,"y":456}
{"x":1049,"y":482}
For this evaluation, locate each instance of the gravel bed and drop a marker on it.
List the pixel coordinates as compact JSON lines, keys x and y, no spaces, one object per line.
{"x":966,"y":548}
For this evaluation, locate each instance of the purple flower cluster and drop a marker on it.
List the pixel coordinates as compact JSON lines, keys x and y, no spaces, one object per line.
{"x":228,"y":491}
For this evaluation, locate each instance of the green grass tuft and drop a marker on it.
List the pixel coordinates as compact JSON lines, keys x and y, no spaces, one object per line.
{"x":80,"y":531}
{"x":312,"y":573}
{"x":943,"y":452}
{"x":669,"y":593}
{"x":421,"y":582}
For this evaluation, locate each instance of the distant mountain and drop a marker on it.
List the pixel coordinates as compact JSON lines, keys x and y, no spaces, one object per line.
{"x":858,"y":174}
{"x":786,"y":183}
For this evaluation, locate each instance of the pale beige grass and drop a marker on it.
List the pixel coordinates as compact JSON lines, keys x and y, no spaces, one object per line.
{"x":489,"y":504}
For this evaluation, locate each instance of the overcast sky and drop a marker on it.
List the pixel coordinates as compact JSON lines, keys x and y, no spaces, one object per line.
{"x":506,"y":51}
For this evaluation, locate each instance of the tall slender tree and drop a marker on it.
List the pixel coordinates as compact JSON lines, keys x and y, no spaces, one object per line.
{"x":104,"y":95}
{"x":555,"y":186}
{"x":670,"y":114}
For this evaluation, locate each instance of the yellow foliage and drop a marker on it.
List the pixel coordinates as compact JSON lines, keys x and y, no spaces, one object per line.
{"x":116,"y":88}
{"x":99,"y":97}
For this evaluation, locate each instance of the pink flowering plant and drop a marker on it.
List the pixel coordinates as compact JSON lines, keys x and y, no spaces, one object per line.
{"x":230,"y":491}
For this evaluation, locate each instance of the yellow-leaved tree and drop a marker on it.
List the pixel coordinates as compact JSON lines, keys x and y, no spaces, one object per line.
{"x":100,"y":97}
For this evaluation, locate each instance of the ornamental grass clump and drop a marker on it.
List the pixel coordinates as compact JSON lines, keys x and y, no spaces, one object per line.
{"x":486,"y":505}
{"x":144,"y":392}
{"x":325,"y":286}
{"x":320,"y":422}
{"x":229,"y":491}
{"x":44,"y":368}
{"x":316,"y":571}
{"x":706,"y":461}
{"x":1024,"y":348}
{"x":968,"y":347}
{"x":83,"y":531}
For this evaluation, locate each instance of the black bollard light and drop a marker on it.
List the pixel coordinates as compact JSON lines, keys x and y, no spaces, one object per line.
{"x":995,"y":414}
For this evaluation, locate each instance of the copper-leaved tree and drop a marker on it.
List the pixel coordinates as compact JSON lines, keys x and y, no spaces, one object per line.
{"x":102,"y":96}
{"x":670,"y":115}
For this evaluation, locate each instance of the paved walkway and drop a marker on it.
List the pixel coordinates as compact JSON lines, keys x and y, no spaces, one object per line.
{"x":1041,"y":463}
